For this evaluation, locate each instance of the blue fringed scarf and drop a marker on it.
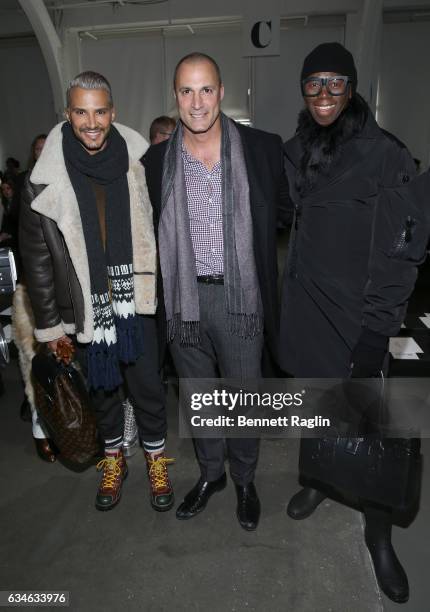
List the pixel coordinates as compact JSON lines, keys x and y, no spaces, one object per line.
{"x":117,"y":329}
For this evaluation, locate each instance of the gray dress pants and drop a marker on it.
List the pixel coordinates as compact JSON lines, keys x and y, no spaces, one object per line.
{"x":220,"y":354}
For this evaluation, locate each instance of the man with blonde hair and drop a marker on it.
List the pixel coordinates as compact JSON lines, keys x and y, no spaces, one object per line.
{"x":89,"y":255}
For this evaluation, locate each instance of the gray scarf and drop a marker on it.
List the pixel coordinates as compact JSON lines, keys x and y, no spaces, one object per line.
{"x":177,"y":259}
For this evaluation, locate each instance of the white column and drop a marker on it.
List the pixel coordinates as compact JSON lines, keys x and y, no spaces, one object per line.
{"x":51,"y":48}
{"x":363,"y":39}
{"x":72,"y":64}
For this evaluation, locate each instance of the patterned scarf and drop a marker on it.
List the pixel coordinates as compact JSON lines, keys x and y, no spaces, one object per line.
{"x":177,"y":259}
{"x":117,"y":329}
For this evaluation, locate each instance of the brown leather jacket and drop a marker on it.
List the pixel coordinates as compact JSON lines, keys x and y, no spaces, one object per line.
{"x":53,"y":286}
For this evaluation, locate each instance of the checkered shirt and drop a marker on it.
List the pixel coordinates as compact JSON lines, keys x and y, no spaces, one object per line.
{"x":204,"y":199}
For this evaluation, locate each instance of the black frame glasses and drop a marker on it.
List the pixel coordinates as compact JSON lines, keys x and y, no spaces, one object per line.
{"x":325,"y":82}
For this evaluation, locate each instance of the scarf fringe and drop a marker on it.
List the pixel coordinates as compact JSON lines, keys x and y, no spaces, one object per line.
{"x":245,"y":325}
{"x":103,"y":367}
{"x":129,"y":339}
{"x":188,"y":331}
{"x":242,"y":325}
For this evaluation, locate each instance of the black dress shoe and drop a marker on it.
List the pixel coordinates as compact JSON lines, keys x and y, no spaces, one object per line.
{"x":248,"y":506}
{"x":45,"y":449}
{"x":303,"y":503}
{"x":196,"y":500}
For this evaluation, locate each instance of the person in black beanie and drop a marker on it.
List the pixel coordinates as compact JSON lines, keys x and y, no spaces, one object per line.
{"x":348,"y":276}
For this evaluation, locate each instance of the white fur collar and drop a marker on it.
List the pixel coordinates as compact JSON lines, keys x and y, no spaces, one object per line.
{"x":58,"y":202}
{"x":50,"y":167}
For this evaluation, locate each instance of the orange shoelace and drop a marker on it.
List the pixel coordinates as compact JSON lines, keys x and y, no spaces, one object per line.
{"x":158,"y":471}
{"x":112,"y":470}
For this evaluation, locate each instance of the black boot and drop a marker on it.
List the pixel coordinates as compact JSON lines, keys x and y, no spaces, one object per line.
{"x":303,"y":503}
{"x":389,"y":572}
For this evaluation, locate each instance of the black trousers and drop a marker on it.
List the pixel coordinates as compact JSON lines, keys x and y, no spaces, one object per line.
{"x":142,"y":384}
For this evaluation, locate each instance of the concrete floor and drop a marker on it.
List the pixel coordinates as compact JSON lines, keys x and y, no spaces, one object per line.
{"x":133,"y":558}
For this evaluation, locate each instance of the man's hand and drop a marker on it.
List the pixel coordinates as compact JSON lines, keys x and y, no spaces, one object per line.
{"x":62,"y":348}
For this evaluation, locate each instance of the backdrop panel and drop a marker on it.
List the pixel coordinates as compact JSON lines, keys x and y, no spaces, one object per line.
{"x":278,"y":98}
{"x":26,"y":104}
{"x":134,"y":68}
{"x":404,"y":86}
{"x":225,"y":46}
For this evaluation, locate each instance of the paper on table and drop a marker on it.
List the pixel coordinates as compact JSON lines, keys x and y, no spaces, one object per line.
{"x":426,"y":319}
{"x":404,"y":348}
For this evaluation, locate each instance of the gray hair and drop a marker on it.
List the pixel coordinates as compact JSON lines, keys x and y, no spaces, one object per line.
{"x":89,"y":80}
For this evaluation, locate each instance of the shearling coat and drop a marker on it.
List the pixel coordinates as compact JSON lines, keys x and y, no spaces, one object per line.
{"x":53,"y":246}
{"x":23,"y":337}
{"x":353,"y":254}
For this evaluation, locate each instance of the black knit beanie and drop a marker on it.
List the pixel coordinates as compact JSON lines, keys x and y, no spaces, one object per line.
{"x":331,"y":57}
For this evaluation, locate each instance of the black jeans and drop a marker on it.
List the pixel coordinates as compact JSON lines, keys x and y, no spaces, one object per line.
{"x":142,"y":384}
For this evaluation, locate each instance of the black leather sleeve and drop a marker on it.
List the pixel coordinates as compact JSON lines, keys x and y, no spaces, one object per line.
{"x":37,"y":261}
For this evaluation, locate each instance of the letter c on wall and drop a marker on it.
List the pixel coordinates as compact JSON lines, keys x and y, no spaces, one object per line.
{"x":258,"y":32}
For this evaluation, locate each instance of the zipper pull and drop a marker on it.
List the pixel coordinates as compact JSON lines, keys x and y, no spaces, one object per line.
{"x":297,"y":219}
{"x":409,"y":225}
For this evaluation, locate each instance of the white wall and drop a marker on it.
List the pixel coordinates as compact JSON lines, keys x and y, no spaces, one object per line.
{"x":140,"y":69}
{"x":140,"y":66}
{"x":123,"y":63}
{"x":277,"y":92}
{"x":404,"y":90}
{"x":13,"y":19}
{"x":26,"y":105}
{"x":193,"y":9}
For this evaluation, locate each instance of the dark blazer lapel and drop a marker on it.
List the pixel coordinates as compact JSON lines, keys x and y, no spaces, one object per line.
{"x":153,"y":161}
{"x":255,"y":177}
{"x":293,"y":151}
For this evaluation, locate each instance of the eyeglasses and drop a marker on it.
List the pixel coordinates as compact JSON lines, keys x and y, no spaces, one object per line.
{"x":335,"y":86}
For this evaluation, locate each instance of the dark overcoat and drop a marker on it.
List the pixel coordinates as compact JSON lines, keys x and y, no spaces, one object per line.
{"x":353,"y":253}
{"x":270,"y":203}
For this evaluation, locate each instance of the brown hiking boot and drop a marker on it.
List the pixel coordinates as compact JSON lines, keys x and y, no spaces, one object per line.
{"x":162,"y":497}
{"x":114,"y":473}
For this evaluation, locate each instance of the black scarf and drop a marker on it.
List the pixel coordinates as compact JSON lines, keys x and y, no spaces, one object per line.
{"x":117,"y":332}
{"x":323,"y":146}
